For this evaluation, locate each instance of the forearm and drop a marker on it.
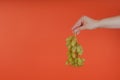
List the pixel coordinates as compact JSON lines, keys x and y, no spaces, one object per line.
{"x":113,"y":22}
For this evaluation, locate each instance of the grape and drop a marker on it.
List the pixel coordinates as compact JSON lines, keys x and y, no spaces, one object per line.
{"x":73,"y":42}
{"x":76,"y":60}
{"x":73,"y":49}
{"x":79,"y":50}
{"x":80,"y":62}
{"x":74,"y":52}
{"x":69,"y":38}
{"x":67,"y":43}
{"x":69,"y":47}
{"x":73,"y":55}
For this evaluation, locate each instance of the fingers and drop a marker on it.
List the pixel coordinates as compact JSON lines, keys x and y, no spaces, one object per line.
{"x":77,"y":30}
{"x":85,"y":23}
{"x":77,"y":24}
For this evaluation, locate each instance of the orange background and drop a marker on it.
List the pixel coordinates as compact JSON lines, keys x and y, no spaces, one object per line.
{"x":32,"y":40}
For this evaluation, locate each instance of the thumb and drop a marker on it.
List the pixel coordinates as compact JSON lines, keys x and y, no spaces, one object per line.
{"x":77,"y":31}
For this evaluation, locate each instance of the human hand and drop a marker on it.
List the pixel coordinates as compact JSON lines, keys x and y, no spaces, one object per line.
{"x":85,"y":23}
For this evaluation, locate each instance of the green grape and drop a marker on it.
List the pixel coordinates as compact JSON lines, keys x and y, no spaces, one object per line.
{"x":70,"y":59}
{"x":72,"y":62}
{"x":73,"y":55}
{"x":70,"y":55}
{"x":79,"y":50}
{"x":69,"y":38}
{"x":74,"y":50}
{"x":73,"y":42}
{"x":75,"y":64}
{"x":79,"y":62}
{"x":69,"y":47}
{"x":76,"y":60}
{"x":67,"y":43}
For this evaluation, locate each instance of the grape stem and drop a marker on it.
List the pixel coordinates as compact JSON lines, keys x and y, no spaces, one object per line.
{"x":75,"y":35}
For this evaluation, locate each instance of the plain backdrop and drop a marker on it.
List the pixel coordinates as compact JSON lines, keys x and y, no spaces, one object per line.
{"x":32,"y":40}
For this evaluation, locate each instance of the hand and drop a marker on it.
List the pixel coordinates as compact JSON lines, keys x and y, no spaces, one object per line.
{"x":85,"y":23}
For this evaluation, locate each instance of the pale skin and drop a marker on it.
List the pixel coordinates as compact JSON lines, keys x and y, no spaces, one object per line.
{"x":87,"y":23}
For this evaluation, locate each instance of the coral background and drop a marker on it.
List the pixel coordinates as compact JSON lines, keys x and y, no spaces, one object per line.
{"x":32,"y":40}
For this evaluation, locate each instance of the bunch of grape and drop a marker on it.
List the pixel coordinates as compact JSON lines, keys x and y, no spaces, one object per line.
{"x":74,"y":52}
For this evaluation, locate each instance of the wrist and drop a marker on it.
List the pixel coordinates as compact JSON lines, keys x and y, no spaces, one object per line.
{"x":99,"y":24}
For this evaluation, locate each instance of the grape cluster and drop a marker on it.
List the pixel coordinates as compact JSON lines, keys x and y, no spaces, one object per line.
{"x":74,"y":52}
